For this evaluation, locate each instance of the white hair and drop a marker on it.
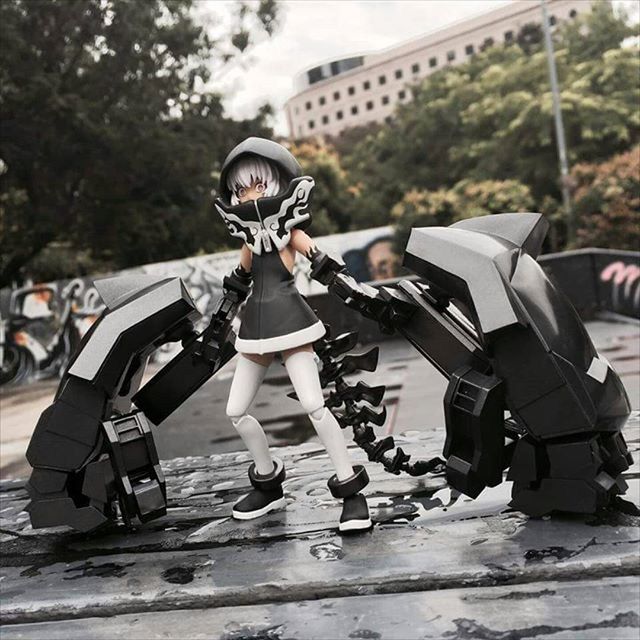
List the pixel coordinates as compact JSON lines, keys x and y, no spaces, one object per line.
{"x":249,"y":170}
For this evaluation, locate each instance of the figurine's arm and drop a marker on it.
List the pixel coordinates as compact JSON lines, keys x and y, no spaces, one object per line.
{"x":335,"y":276}
{"x":235,"y":289}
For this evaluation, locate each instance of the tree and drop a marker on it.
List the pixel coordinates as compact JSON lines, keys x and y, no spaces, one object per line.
{"x":332,"y":200}
{"x":607,"y":202}
{"x":530,"y":38}
{"x":491,"y":118}
{"x":466,"y":199}
{"x":109,"y":136}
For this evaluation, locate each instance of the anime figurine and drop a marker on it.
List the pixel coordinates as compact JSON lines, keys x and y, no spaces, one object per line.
{"x":266,"y":202}
{"x":528,"y":392}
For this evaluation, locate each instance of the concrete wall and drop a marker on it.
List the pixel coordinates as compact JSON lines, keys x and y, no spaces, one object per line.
{"x":41,"y":341}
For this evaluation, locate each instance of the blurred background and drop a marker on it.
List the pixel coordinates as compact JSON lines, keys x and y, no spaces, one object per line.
{"x":117,"y":114}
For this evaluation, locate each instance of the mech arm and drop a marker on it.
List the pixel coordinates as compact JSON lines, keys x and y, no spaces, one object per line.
{"x":528,"y":391}
{"x":92,"y":452}
{"x":360,"y":297}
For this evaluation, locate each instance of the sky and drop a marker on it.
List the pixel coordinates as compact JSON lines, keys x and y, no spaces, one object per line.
{"x":314,"y":31}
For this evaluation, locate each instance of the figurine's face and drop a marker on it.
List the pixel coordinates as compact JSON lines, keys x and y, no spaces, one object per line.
{"x":253,"y":192}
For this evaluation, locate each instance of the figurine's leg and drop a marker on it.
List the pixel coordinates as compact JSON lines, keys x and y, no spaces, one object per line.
{"x":303,"y":372}
{"x":246,"y":381}
{"x":347,"y":482}
{"x":266,"y":473}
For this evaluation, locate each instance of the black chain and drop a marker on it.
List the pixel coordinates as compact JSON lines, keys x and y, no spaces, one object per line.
{"x":344,"y":401}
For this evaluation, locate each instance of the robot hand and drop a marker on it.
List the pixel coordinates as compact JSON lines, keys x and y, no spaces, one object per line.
{"x":236,"y":288}
{"x":361,"y":297}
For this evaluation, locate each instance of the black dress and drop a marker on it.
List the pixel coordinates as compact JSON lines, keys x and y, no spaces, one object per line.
{"x":275,"y":316}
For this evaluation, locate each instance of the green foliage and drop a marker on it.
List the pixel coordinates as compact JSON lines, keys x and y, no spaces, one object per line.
{"x":109,"y":140}
{"x":491,"y":118}
{"x":466,"y":199}
{"x":332,"y":201}
{"x":531,"y":38}
{"x":607,"y":202}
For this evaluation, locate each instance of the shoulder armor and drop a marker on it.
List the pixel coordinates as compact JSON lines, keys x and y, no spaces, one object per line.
{"x":267,"y":222}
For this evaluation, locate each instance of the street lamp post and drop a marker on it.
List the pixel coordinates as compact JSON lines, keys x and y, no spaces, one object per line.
{"x":557,"y":114}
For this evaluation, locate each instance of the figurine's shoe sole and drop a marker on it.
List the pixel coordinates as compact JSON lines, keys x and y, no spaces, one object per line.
{"x":280,"y":503}
{"x":355,"y":525}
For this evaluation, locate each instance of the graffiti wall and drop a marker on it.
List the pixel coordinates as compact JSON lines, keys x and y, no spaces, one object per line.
{"x":598,"y":280}
{"x":41,"y":325}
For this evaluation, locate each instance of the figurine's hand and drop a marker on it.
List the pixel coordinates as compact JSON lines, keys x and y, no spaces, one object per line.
{"x":364,"y":299}
{"x":361,"y":297}
{"x":236,"y":288}
{"x":324,"y":268}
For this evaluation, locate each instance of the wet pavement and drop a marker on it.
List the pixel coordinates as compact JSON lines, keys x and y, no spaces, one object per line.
{"x":435,"y":565}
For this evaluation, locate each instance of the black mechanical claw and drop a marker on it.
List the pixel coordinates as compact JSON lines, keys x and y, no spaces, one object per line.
{"x":339,"y":345}
{"x":356,"y":393}
{"x":92,"y":453}
{"x":333,"y":369}
{"x":360,"y":417}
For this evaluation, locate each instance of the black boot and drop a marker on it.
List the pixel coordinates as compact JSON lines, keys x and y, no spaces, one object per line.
{"x":266,"y":495}
{"x":355,"y":512}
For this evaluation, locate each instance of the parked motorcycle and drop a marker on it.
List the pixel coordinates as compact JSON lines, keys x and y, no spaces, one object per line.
{"x":39,"y":336}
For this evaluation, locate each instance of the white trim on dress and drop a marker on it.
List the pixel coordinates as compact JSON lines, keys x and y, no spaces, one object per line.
{"x":280,"y":343}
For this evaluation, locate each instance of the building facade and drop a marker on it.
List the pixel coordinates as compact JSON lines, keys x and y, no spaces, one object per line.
{"x":366,"y":88}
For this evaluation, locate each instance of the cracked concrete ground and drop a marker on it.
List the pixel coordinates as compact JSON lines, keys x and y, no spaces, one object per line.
{"x":436,"y":564}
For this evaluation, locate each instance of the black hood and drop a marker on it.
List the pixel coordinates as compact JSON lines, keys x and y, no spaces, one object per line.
{"x":275,"y":153}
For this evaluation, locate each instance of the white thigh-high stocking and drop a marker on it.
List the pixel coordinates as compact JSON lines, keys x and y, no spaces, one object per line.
{"x":246,"y":381}
{"x":303,"y":372}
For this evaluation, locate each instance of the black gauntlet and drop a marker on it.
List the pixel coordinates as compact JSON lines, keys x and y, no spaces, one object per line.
{"x":361,"y":297}
{"x":235,"y":289}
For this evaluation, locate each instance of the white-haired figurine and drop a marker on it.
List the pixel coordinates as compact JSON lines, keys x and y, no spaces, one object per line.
{"x":265,"y":201}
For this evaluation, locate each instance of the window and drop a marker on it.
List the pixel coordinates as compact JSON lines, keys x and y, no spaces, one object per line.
{"x":398,"y":74}
{"x":336,"y":95}
{"x":300,"y":131}
{"x":488,"y":42}
{"x":354,"y":110}
{"x":339,"y":115}
{"x":385,"y":100}
{"x":508,"y":36}
{"x":433,"y":62}
{"x":415,"y":68}
{"x":469,"y":49}
{"x":366,"y":85}
{"x":573,"y":13}
{"x":382,"y":79}
{"x":451,"y":56}
{"x":325,"y":119}
{"x":388,"y":119}
{"x":552,"y":20}
{"x":369,"y":105}
{"x":312,"y":124}
{"x":296,"y":110}
{"x":351,"y":90}
{"x":307,"y":106}
{"x":402,"y":94}
{"x":321,"y":100}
